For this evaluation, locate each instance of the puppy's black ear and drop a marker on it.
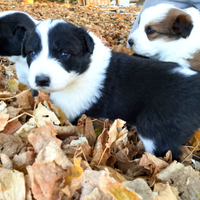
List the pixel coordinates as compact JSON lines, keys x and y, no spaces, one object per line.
{"x":89,"y":42}
{"x":19,"y":33}
{"x":183,"y":25}
{"x":23,"y":51}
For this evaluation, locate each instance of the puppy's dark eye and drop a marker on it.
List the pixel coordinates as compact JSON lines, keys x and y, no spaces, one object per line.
{"x":150,"y":31}
{"x":64,"y":55}
{"x":31,"y":53}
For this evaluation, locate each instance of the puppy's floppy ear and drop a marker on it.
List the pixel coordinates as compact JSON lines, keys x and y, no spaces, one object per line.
{"x":89,"y":42}
{"x":183,"y":25}
{"x":19,"y":33}
{"x":23,"y":51}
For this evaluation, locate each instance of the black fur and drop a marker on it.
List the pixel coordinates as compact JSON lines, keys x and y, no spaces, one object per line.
{"x":165,"y":106}
{"x":12,"y":29}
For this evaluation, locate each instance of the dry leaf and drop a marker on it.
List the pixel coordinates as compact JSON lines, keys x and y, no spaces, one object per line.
{"x":12,"y":127}
{"x":152,"y":163}
{"x":12,"y":185}
{"x":6,"y":162}
{"x":3,"y":109}
{"x":185,"y":179}
{"x":45,"y":180}
{"x":3,"y":120}
{"x":163,"y":192}
{"x":43,"y":115}
{"x":117,"y":190}
{"x":42,"y":136}
{"x":25,"y":100}
{"x":11,"y":145}
{"x":26,"y":128}
{"x":73,"y":178}
{"x":13,"y":112}
{"x":85,"y":127}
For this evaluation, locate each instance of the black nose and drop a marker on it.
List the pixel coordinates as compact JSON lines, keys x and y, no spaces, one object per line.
{"x":131,"y":43}
{"x":42,"y":80}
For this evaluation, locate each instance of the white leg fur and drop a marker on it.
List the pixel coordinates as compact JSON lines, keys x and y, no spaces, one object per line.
{"x":149,"y":145}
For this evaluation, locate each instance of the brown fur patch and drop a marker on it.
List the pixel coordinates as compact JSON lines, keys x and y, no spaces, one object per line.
{"x":167,"y":29}
{"x":195,"y":62}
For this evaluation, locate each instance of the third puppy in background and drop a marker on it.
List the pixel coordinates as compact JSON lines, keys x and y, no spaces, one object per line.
{"x":168,"y":33}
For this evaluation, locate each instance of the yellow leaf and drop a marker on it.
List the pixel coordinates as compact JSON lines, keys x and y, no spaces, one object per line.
{"x":74,"y":171}
{"x":117,"y":190}
{"x":196,"y":140}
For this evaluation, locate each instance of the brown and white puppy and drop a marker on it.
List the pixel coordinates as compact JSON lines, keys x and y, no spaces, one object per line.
{"x":168,"y":33}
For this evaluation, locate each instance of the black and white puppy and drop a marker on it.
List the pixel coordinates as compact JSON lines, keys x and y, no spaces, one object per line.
{"x":13,"y":25}
{"x":84,"y":76}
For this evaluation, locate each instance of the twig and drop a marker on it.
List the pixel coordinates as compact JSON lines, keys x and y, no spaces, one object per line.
{"x":15,"y":95}
{"x":191,"y":152}
{"x":24,"y":113}
{"x":102,"y":156}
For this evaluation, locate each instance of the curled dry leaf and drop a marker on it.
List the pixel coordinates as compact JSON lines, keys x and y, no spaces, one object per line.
{"x":6,"y":161}
{"x":25,"y":100}
{"x":163,"y":192}
{"x":90,"y":181}
{"x":117,"y":190}
{"x":85,"y":127}
{"x":12,"y":184}
{"x":42,"y":136}
{"x":12,"y":127}
{"x":13,"y":112}
{"x":72,"y":179}
{"x":42,"y":115}
{"x":11,"y":145}
{"x":3,"y":109}
{"x":3,"y":120}
{"x":152,"y":163}
{"x":184,"y":178}
{"x":26,"y":128}
{"x":125,"y":164}
{"x":53,"y":153}
{"x":45,"y":180}
{"x":101,"y":152}
{"x":140,"y":186}
{"x":65,"y":131}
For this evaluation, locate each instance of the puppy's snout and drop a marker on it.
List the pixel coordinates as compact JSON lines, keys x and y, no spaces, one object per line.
{"x":42,"y":80}
{"x":131,"y":43}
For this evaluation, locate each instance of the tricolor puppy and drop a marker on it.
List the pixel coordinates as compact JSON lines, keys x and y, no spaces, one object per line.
{"x":84,"y":76}
{"x":13,"y":25}
{"x":168,"y":33}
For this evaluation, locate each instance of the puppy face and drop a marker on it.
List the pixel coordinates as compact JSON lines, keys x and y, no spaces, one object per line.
{"x":160,"y":28}
{"x":13,"y":25}
{"x":57,"y":53}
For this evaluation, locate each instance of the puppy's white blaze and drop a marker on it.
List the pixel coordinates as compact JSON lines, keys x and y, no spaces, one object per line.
{"x":44,"y":65}
{"x":85,"y":90}
{"x":184,"y":71}
{"x":149,"y":145}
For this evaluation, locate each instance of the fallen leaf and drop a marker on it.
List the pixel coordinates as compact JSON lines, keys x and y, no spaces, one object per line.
{"x":85,"y":128}
{"x":184,"y":178}
{"x":3,"y":120}
{"x":13,"y":112}
{"x":140,"y":187}
{"x":12,"y":127}
{"x":12,"y":184}
{"x":117,"y":190}
{"x":152,"y":163}
{"x":163,"y":192}
{"x":6,"y":162}
{"x":43,"y":115}
{"x":11,"y":145}
{"x":42,"y":136}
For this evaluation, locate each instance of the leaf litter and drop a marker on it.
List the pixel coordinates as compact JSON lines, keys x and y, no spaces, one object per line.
{"x":43,"y":156}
